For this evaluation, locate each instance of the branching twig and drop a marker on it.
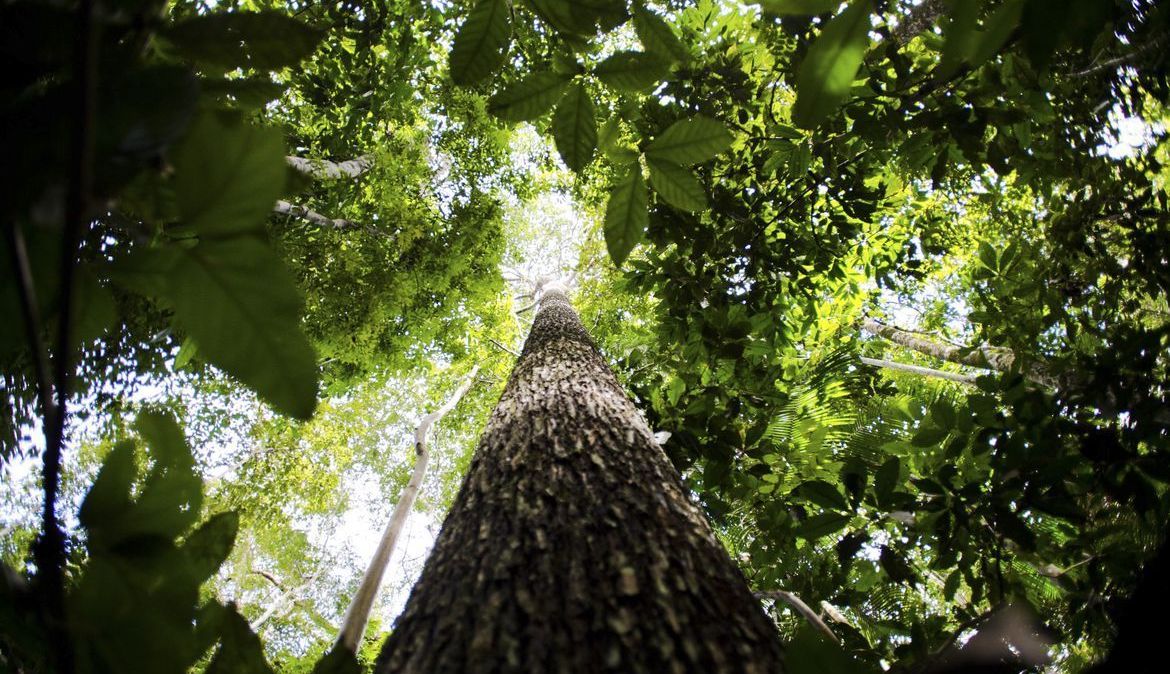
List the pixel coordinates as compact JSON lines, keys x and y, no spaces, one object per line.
{"x":503,"y":347}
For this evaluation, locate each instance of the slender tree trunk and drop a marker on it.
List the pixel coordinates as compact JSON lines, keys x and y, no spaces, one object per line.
{"x":989,"y":357}
{"x":918,"y":369}
{"x":297,"y":211}
{"x":573,"y":545}
{"x":358,"y":614}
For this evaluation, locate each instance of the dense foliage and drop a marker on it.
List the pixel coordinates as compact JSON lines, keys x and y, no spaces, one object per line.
{"x":284,"y":223}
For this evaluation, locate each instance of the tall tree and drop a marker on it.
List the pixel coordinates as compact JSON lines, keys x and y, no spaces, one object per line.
{"x":573,"y":545}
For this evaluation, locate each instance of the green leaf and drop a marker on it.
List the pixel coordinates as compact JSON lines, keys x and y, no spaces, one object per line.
{"x":240,"y":650}
{"x":208,"y":546}
{"x":529,"y":98}
{"x":677,"y":185}
{"x":574,"y":128}
{"x":819,"y":526}
{"x":186,"y":353}
{"x":810,"y":652}
{"x":239,"y":303}
{"x":632,"y":70}
{"x":823,"y":494}
{"x":248,"y":93}
{"x":481,"y":45}
{"x":825,"y":77}
{"x":886,"y":479}
{"x":928,"y":436}
{"x":173,"y":493}
{"x":109,"y":496}
{"x":228,"y":176}
{"x":657,"y":37}
{"x":943,"y":414}
{"x":626,"y":214}
{"x":262,"y":40}
{"x":339,"y":660}
{"x":690,"y":141}
{"x":895,"y":566}
{"x":162,"y":434}
{"x":798,"y":7}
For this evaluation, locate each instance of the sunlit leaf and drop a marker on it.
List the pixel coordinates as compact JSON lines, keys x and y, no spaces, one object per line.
{"x":826,"y":75}
{"x":690,"y":141}
{"x":626,"y":214}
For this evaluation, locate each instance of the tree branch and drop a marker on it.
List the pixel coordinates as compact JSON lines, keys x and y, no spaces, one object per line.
{"x":285,"y":208}
{"x":325,"y":169}
{"x":801,"y":608}
{"x":354,"y":625}
{"x":968,"y":379}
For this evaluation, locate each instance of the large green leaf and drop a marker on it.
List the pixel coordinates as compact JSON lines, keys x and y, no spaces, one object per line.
{"x":690,"y":141}
{"x":826,"y":75}
{"x":574,"y":128}
{"x":237,"y":301}
{"x":819,"y":526}
{"x":676,"y":185}
{"x":823,"y":494}
{"x":208,"y":546}
{"x":227,"y":176}
{"x":482,"y":42}
{"x":529,"y":98}
{"x":798,"y":7}
{"x":262,"y":40}
{"x":626,"y":214}
{"x":810,"y":652}
{"x":632,"y":70}
{"x":240,"y":650}
{"x":109,"y":496}
{"x":657,"y":37}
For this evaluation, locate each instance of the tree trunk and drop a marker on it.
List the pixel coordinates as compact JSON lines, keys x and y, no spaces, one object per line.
{"x":573,"y":545}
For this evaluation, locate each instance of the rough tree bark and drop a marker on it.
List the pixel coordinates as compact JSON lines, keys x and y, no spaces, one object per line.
{"x":572,"y":545}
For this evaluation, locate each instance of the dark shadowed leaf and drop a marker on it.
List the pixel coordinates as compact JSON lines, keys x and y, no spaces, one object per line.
{"x":632,"y":70}
{"x":227,"y":176}
{"x":574,"y":128}
{"x":819,"y":526}
{"x":261,"y":40}
{"x":208,"y":546}
{"x":677,"y":185}
{"x":823,"y":494}
{"x":482,"y":42}
{"x":529,"y":98}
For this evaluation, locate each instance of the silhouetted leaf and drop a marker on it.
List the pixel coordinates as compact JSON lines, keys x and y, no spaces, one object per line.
{"x":262,"y":40}
{"x":574,"y":128}
{"x":690,"y":141}
{"x":677,"y":185}
{"x":626,"y":214}
{"x":529,"y":98}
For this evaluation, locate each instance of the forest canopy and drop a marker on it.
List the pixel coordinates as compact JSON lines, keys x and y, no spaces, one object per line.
{"x":888,"y":280}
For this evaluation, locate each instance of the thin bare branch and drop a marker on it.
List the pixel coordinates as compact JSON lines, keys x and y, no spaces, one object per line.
{"x":968,"y":379}
{"x":354,"y":625}
{"x":802,"y":608}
